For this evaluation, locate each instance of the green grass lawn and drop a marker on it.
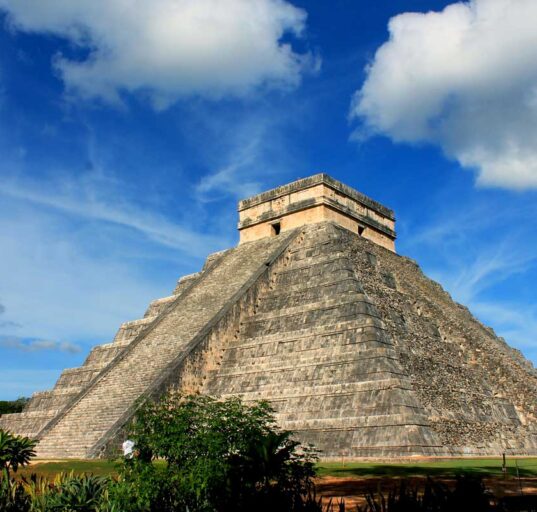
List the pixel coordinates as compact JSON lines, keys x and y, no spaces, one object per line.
{"x":445,"y":468}
{"x":51,"y":469}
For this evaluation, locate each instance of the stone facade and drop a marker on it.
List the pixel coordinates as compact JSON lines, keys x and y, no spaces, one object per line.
{"x":311,"y":200}
{"x":357,"y":351}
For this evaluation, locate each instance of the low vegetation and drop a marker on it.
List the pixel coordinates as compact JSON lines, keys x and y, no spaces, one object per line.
{"x":191,"y":453}
{"x":198,"y":454}
{"x":448,"y":468}
{"x":11,"y":406}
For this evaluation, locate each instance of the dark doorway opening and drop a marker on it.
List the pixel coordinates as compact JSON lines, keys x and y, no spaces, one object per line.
{"x":361,"y":230}
{"x":276,"y":227}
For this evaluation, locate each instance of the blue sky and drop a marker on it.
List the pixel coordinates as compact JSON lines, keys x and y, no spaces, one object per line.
{"x":129,"y":130}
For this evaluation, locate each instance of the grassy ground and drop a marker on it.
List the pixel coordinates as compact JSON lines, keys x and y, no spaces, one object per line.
{"x":445,"y":468}
{"x":51,"y":469}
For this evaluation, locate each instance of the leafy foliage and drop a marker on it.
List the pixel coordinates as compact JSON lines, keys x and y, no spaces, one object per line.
{"x":12,"y":406}
{"x":219,"y":456}
{"x":15,"y":451}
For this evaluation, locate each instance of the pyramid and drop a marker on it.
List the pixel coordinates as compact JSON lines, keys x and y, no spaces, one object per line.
{"x":355,"y":348}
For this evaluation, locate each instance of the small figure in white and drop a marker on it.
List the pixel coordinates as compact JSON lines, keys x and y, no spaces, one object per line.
{"x":128,"y":448}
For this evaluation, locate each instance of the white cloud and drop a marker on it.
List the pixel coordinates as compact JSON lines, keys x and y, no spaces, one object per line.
{"x":491,"y":266}
{"x":37,"y":345}
{"x":78,"y":258}
{"x":169,"y":48}
{"x":465,"y":79}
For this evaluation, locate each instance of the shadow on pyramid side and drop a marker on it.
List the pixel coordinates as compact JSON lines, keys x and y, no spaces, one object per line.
{"x":358,"y":352}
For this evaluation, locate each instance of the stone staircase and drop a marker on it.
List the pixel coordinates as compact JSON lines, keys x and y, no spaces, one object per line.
{"x":44,"y":406}
{"x":150,"y":346}
{"x":316,"y":348}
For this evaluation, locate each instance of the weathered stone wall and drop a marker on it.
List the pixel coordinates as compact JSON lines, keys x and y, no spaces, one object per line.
{"x":312,"y":200}
{"x":316,"y":348}
{"x":45,"y":406}
{"x":87,"y":423}
{"x":480,"y":394}
{"x":355,"y":348}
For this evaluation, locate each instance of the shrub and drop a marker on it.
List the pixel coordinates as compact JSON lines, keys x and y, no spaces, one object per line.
{"x":216,"y":456}
{"x":11,"y":406}
{"x":15,"y":451}
{"x":67,"y":493}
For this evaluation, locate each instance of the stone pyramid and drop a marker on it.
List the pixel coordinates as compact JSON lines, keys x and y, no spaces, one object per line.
{"x":357,"y":351}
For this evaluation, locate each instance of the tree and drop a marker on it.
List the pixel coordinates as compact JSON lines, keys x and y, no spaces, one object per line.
{"x":15,"y":451}
{"x":218,"y":456}
{"x":11,"y":406}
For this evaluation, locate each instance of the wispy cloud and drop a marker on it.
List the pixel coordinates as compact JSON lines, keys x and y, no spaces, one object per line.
{"x":87,"y":199}
{"x":485,"y":257}
{"x":249,"y":158}
{"x":7,"y":323}
{"x":517,"y":322}
{"x":488,"y":268}
{"x":37,"y":345}
{"x":236,"y":178}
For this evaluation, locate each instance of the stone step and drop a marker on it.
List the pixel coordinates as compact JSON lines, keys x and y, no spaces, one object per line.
{"x":338,"y":312}
{"x":306,"y":347}
{"x":101,"y":355}
{"x":340,"y":299}
{"x":382,"y":420}
{"x":358,"y":326}
{"x":53,"y":400}
{"x":274,"y":382}
{"x":356,"y":366}
{"x":157,"y":306}
{"x":295,"y":262}
{"x":372,"y":411}
{"x":185,"y":282}
{"x":296,"y":274}
{"x":77,"y":377}
{"x":278,"y":299}
{"x":26,"y":423}
{"x":130,"y":330}
{"x":281,"y":361}
{"x":315,"y":249}
{"x":374,"y":399}
{"x":148,"y":357}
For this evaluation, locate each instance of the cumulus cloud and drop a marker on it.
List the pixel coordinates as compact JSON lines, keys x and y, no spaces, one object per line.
{"x":465,"y":79}
{"x":169,"y":48}
{"x":37,"y":345}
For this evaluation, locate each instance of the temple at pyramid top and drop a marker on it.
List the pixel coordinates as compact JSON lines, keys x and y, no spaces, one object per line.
{"x":311,"y":200}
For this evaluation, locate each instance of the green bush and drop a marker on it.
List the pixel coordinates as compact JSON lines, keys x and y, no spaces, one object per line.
{"x":15,"y":451}
{"x":67,"y":493}
{"x":216,"y":456}
{"x":11,"y":406}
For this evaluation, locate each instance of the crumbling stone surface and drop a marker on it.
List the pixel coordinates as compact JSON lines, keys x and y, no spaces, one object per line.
{"x":480,"y":394}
